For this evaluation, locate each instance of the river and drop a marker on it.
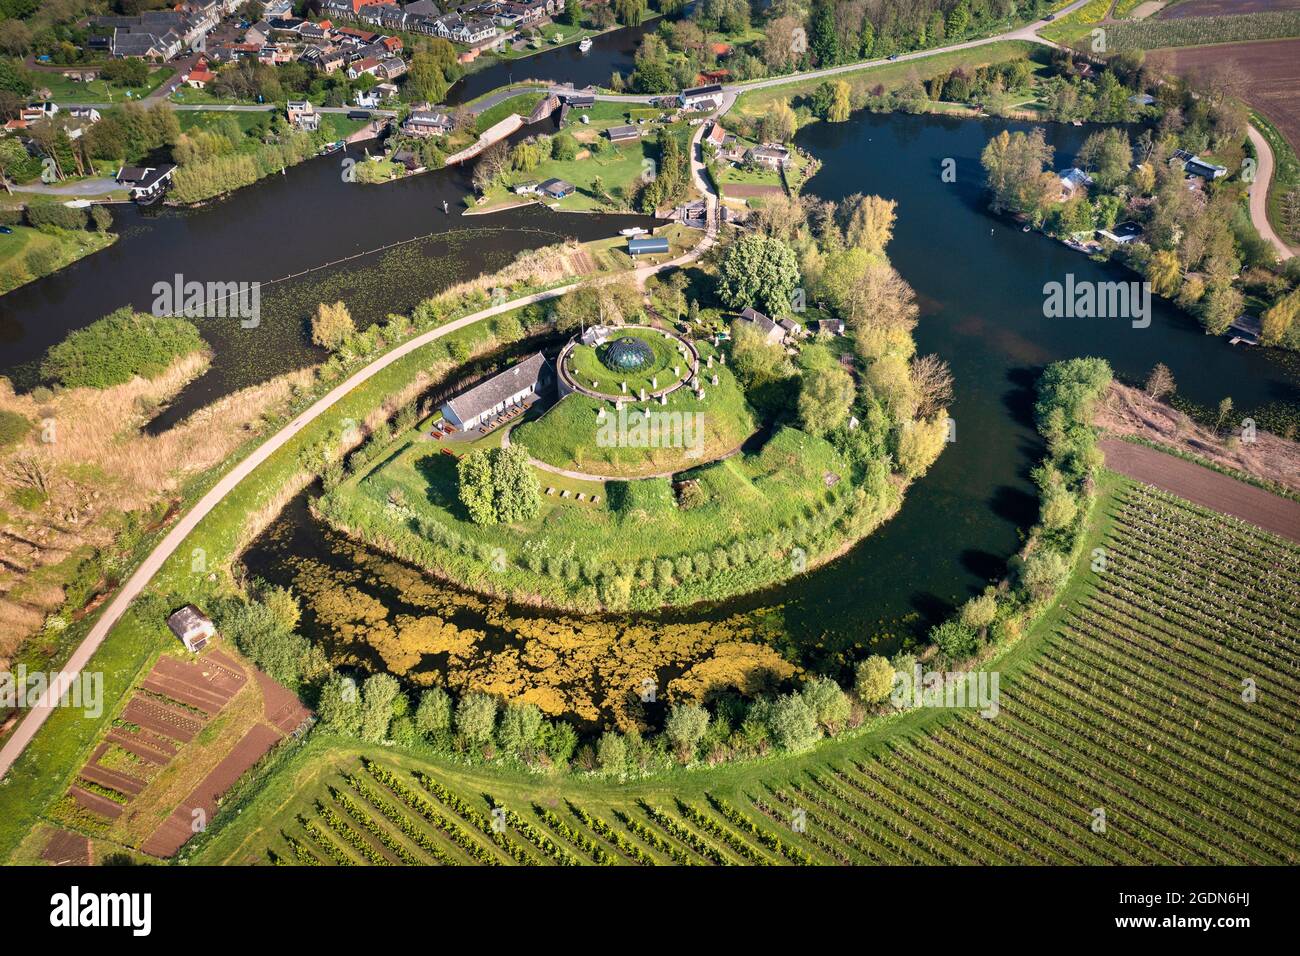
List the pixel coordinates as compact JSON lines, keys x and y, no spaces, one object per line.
{"x":980,"y":283}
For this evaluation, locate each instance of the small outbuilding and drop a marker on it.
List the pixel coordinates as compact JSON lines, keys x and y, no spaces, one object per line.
{"x":557,"y":188}
{"x":622,"y":134}
{"x":647,"y":245}
{"x":193,"y":627}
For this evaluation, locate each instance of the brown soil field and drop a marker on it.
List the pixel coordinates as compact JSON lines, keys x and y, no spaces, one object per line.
{"x":179,"y":827}
{"x":67,"y":849}
{"x":1269,"y":71}
{"x":1204,"y":487}
{"x":1223,"y":8}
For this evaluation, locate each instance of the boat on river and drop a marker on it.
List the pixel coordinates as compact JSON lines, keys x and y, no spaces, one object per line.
{"x":633,"y":231}
{"x":584,"y":44}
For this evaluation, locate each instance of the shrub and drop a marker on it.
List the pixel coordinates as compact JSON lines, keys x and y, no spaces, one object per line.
{"x":379,"y":695}
{"x":118,"y":347}
{"x":13,"y":428}
{"x":56,"y":214}
{"x":611,"y":752}
{"x":433,"y":715}
{"x":955,"y":639}
{"x":792,"y":723}
{"x":828,"y":703}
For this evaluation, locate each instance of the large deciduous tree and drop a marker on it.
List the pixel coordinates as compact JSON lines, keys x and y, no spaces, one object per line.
{"x":758,"y":271}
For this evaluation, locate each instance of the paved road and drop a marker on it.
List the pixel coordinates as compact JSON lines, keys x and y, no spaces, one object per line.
{"x":1259,"y":193}
{"x":87,"y":187}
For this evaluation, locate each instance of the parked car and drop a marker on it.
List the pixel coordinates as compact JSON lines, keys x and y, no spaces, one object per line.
{"x":5,"y":231}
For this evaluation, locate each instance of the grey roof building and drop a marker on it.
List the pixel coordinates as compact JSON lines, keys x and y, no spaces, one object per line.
{"x":494,"y":395}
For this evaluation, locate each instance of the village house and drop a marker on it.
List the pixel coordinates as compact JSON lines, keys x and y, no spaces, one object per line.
{"x":513,"y":387}
{"x":193,"y":627}
{"x":302,"y":115}
{"x":200,"y":76}
{"x":1072,"y":180}
{"x":829,"y":326}
{"x":390,"y":68}
{"x":427,"y":122}
{"x":146,"y":183}
{"x":716,"y":136}
{"x":771,"y":331}
{"x":556,"y":189}
{"x":770,"y":155}
{"x":701,"y":97}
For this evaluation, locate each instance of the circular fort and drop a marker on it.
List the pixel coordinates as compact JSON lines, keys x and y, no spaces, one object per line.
{"x":627,"y":363}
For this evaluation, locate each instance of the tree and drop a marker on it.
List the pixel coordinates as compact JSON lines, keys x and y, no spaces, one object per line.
{"x":758,"y":271}
{"x":931,"y":384}
{"x":339,"y":707}
{"x":1164,"y":272}
{"x":1280,"y":318}
{"x":685,"y":728}
{"x":755,"y":360}
{"x":1108,"y":155}
{"x":332,"y":325}
{"x":871,"y":223}
{"x":433,"y":714}
{"x":497,"y":485}
{"x":840,"y":106}
{"x":476,"y":716}
{"x":1014,"y":164}
{"x":474,"y":486}
{"x":955,"y":640}
{"x":378,"y":695}
{"x":779,"y":123}
{"x":919,"y":444}
{"x":520,"y":728}
{"x":823,"y":40}
{"x":1160,"y":382}
{"x":1220,"y":308}
{"x":825,"y":394}
{"x":828,"y":703}
{"x":874,"y":679}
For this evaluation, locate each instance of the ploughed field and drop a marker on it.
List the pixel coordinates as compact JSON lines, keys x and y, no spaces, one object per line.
{"x":1222,"y":8}
{"x":1152,"y":720}
{"x":1269,"y":72}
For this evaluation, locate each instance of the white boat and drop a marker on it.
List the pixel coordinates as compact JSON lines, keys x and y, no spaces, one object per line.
{"x":585,"y":44}
{"x":634,"y":231}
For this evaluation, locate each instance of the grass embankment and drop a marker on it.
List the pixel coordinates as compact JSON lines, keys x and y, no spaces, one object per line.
{"x":891,"y":76}
{"x":929,"y":786}
{"x":734,"y":531}
{"x":53,"y":249}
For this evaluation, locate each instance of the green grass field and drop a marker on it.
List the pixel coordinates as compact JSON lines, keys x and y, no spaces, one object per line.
{"x":67,"y":247}
{"x":64,"y":90}
{"x":1088,"y":760}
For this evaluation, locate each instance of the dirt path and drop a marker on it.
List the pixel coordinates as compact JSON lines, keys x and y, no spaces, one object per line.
{"x":1201,"y":486}
{"x":1259,"y":193}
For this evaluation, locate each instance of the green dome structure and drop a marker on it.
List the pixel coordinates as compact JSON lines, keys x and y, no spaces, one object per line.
{"x":627,"y":354}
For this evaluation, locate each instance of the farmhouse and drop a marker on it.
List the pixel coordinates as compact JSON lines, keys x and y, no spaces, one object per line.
{"x":697,"y":97}
{"x":512,"y":387}
{"x":647,"y":245}
{"x":1073,"y":179}
{"x":193,"y":627}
